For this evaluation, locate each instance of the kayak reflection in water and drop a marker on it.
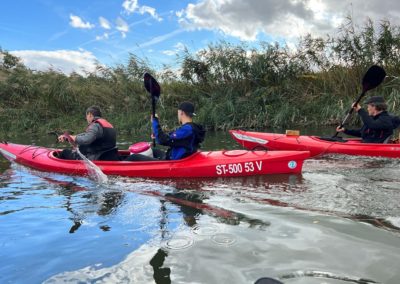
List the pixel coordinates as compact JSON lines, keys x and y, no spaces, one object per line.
{"x":98,"y":142}
{"x":378,"y":124}
{"x":182,"y":142}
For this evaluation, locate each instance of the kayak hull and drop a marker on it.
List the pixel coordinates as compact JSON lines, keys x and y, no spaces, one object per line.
{"x":316,"y":146}
{"x":201,"y":164}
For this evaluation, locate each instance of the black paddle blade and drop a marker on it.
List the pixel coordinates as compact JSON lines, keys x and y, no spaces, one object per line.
{"x":151,"y":85}
{"x":373,"y":78}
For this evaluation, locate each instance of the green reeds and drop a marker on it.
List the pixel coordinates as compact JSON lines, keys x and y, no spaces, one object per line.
{"x":231,"y":85}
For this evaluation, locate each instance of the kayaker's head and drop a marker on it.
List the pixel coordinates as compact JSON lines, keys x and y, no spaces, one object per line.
{"x":376,"y":105}
{"x":92,"y":112}
{"x":185,"y":112}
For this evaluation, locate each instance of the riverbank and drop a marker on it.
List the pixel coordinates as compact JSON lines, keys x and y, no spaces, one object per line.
{"x":232,"y":86}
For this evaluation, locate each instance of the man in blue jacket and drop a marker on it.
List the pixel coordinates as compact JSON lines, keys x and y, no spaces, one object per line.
{"x":182,"y":142}
{"x":378,"y":124}
{"x":186,"y":139}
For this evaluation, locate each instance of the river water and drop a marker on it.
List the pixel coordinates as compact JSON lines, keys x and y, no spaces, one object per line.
{"x":337,"y":222}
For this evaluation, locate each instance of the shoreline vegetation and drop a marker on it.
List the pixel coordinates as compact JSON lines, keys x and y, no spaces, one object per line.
{"x":232,"y":86}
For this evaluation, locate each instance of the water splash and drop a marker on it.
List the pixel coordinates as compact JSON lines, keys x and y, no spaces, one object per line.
{"x":326,"y":275}
{"x":94,"y":171}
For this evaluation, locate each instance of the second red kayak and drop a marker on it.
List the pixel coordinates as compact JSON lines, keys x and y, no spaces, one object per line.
{"x":316,"y":146}
{"x":201,"y":164}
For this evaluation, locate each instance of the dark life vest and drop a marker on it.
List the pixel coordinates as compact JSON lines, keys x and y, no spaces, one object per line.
{"x":104,"y":143}
{"x":191,"y":143}
{"x":395,"y":121}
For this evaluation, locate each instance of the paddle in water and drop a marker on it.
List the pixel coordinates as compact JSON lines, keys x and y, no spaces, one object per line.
{"x":154,"y":89}
{"x":93,"y":171}
{"x":372,"y":79}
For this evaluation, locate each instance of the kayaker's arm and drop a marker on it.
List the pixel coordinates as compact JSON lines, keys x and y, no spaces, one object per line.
{"x":94,"y":131}
{"x":371,"y":123}
{"x":161,"y":137}
{"x":353,"y":132}
{"x":169,"y":139}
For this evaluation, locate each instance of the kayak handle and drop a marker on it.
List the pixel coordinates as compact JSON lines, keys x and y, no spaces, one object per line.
{"x":234,"y":153}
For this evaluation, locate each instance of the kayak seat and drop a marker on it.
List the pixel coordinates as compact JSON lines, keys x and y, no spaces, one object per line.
{"x":109,"y":155}
{"x":157,"y":156}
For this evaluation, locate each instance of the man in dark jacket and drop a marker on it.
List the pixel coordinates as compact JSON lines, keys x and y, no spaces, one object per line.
{"x":98,"y":142}
{"x":378,"y":124}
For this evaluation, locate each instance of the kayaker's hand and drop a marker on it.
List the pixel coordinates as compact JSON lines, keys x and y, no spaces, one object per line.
{"x":151,"y":117}
{"x":356,"y":107}
{"x":64,"y":138}
{"x":340,"y":129}
{"x":152,"y":136}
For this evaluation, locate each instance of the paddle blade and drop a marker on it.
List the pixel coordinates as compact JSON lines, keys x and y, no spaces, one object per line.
{"x":373,"y":78}
{"x":152,"y":85}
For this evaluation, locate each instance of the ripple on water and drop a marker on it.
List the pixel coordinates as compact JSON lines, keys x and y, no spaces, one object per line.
{"x":224,"y":239}
{"x":179,"y":242}
{"x":205,"y":230}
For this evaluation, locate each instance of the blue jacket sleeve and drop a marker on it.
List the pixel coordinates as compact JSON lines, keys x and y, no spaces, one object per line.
{"x":169,"y":139}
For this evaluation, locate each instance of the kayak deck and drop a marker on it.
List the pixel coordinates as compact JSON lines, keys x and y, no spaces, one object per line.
{"x":201,"y":164}
{"x":316,"y":146}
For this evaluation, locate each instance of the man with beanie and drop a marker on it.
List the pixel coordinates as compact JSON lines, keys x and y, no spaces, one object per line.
{"x":378,"y":124}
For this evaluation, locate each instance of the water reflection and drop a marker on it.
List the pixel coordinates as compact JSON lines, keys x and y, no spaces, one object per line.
{"x":4,"y":165}
{"x":203,"y":231}
{"x":161,"y":274}
{"x":106,"y":201}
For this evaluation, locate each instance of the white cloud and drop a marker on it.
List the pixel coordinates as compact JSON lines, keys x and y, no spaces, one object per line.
{"x":104,"y":23}
{"x":78,"y":23}
{"x":104,"y":36}
{"x":177,"y":48}
{"x":180,"y":13}
{"x":66,"y":61}
{"x":159,"y":39}
{"x":246,"y":19}
{"x":169,"y":52}
{"x":151,"y":11}
{"x":122,"y":26}
{"x":132,"y":6}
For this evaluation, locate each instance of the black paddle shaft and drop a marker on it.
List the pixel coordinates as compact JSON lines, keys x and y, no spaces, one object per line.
{"x":372,"y":79}
{"x":154,"y":89}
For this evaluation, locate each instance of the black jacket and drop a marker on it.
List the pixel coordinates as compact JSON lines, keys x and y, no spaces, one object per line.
{"x":99,"y":137}
{"x":375,"y":129}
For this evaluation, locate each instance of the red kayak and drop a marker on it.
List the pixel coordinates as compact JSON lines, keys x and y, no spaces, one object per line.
{"x":201,"y":164}
{"x":316,"y":146}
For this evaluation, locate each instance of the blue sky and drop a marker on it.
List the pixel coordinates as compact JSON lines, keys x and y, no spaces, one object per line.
{"x":71,"y":34}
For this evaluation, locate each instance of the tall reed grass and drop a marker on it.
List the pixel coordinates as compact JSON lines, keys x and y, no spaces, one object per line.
{"x":232,"y":85}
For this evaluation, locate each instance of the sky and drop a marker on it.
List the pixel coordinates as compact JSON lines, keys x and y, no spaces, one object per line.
{"x":72,"y":35}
